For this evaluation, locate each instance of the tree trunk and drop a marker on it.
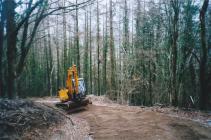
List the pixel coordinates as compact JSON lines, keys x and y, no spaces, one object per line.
{"x":58,"y":65}
{"x":77,"y":62}
{"x":86,"y":60}
{"x":98,"y":51}
{"x":126,"y":49}
{"x":1,"y":46}
{"x":11,"y":46}
{"x":209,"y":29}
{"x":105,"y":49}
{"x":175,"y":5}
{"x":90,"y":50}
{"x":65,"y":67}
{"x":47,"y":64}
{"x":204,"y":94}
{"x":70,"y":48}
{"x":50,"y":57}
{"x":112,"y":52}
{"x":57,"y":56}
{"x":125,"y":28}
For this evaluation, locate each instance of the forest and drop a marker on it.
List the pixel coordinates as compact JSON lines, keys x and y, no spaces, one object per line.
{"x":136,"y":52}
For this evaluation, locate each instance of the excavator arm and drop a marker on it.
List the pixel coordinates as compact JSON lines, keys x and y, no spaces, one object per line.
{"x":69,"y":84}
{"x":75,"y":75}
{"x":66,"y":94}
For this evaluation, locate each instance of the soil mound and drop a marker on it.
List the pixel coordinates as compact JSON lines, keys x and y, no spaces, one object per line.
{"x":23,"y":119}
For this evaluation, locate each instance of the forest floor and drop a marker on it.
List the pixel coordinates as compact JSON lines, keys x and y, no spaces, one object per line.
{"x":101,"y":120}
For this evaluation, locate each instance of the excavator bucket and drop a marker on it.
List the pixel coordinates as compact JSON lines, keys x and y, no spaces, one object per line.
{"x":63,"y":95}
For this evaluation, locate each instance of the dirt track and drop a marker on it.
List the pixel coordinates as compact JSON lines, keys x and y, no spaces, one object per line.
{"x":115,"y":123}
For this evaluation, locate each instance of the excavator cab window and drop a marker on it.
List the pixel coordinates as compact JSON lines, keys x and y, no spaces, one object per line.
{"x":81,"y":86}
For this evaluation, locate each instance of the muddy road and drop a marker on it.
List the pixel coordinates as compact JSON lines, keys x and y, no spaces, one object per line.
{"x":120,"y":123}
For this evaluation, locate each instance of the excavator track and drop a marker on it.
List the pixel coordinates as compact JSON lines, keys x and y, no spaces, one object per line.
{"x":71,"y":105}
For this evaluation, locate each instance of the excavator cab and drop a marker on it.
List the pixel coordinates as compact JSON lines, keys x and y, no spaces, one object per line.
{"x":81,"y":88}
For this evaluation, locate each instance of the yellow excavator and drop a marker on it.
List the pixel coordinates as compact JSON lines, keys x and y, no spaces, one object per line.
{"x":74,"y":95}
